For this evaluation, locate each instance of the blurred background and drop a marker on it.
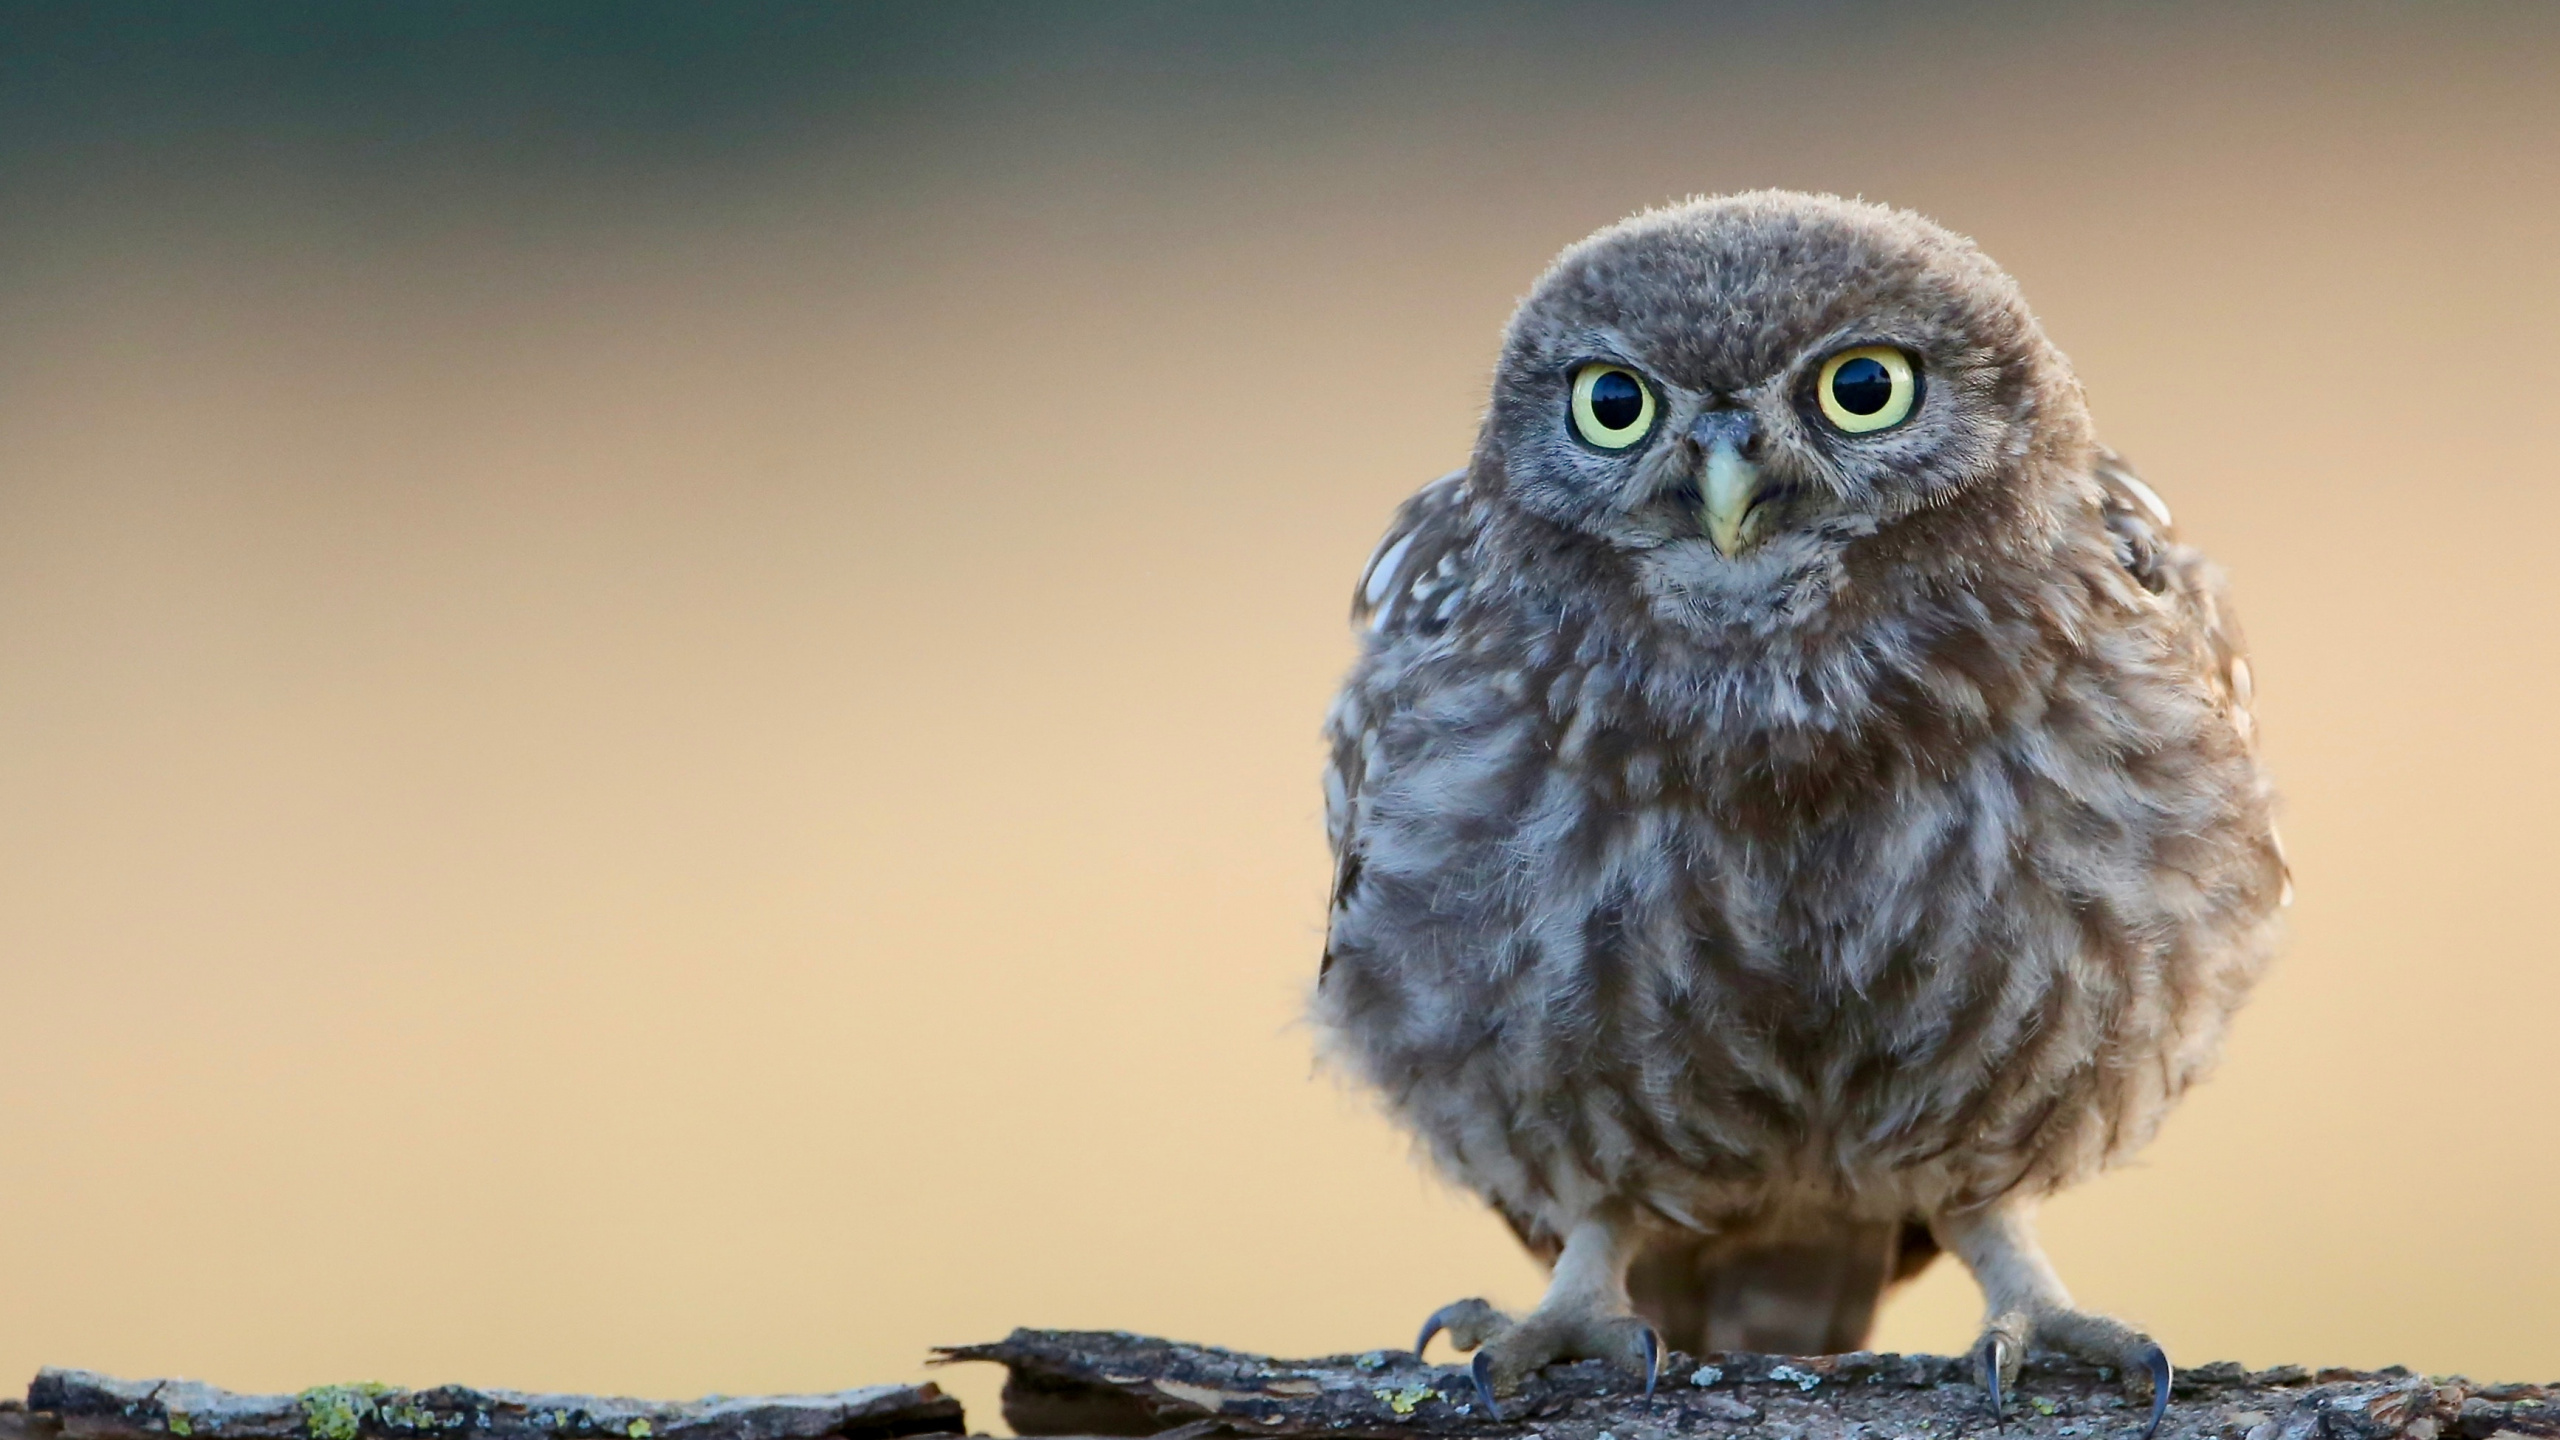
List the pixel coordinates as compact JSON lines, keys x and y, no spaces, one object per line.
{"x":659,"y":664}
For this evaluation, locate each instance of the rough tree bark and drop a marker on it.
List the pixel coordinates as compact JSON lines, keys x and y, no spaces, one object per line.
{"x":76,"y":1403}
{"x":1065,"y":1382}
{"x":1087,"y":1383}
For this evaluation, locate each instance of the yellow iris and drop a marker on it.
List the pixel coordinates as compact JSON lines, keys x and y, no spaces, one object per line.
{"x":1867,"y":389}
{"x":1612,"y":406}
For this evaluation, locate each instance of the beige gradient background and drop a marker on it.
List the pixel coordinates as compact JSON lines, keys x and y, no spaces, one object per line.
{"x":688,"y":762}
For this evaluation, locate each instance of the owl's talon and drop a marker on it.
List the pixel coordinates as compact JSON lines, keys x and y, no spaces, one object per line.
{"x":2157,"y":1360}
{"x":1997,"y":1355}
{"x":1993,"y":1361}
{"x":1469,"y":1323}
{"x":1509,"y":1354}
{"x":2098,"y":1339}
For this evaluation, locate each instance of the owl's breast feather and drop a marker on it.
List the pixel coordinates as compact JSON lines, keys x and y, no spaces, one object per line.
{"x":1951,"y":919}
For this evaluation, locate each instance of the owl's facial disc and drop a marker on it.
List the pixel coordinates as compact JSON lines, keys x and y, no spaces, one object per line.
{"x":1728,"y":402}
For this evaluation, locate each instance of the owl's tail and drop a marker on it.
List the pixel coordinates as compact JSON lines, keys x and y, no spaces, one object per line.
{"x":1813,"y":1294}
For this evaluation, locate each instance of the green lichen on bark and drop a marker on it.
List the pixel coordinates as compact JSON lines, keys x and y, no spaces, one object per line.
{"x":338,"y":1412}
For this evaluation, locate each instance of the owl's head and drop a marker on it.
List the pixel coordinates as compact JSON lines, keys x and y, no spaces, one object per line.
{"x":1740,"y":393}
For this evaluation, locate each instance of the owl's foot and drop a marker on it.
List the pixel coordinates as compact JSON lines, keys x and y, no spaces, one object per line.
{"x":2095,"y":1338}
{"x":1509,"y":1351}
{"x":2027,"y":1305}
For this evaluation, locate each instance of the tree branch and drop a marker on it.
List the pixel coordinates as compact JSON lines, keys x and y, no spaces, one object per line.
{"x":76,"y":1403}
{"x":1105,"y":1383}
{"x":1069,"y":1382}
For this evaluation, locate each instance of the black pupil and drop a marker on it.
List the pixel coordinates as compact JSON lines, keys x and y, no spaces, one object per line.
{"x":1615,"y":401}
{"x":1862,"y":386}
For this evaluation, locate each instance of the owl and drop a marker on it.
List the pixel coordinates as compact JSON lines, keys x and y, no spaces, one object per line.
{"x":1795,"y":805}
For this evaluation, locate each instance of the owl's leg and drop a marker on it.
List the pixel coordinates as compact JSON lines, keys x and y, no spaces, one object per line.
{"x":2024,"y":1303}
{"x":1585,"y":1315}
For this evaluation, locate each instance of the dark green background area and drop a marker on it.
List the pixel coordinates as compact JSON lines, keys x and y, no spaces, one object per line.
{"x":343,"y":123}
{"x":679,"y":82}
{"x":653,"y":83}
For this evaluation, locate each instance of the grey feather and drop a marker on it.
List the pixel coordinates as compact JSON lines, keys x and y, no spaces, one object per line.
{"x":1911,"y":860}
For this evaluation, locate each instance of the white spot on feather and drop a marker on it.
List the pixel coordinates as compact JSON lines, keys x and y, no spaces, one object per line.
{"x":2149,"y":497}
{"x":1382,"y":570}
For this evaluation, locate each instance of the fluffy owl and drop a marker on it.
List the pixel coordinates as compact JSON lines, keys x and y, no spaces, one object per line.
{"x":1795,"y":805}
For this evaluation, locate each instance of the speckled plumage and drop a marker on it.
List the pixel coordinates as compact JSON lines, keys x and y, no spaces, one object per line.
{"x":1900,"y":868}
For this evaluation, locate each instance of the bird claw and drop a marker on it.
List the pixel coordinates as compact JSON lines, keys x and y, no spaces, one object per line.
{"x":1993,"y":1355}
{"x":1438,"y":1322}
{"x":2158,"y":1361}
{"x":1508,"y":1352}
{"x":1469,"y":1323}
{"x":1481,"y":1372}
{"x":2094,"y":1338}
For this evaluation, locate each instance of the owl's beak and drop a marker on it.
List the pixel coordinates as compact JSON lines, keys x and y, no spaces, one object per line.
{"x":1733,"y":487}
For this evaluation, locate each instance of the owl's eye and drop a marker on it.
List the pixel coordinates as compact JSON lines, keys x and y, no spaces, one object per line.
{"x":1612,"y":408}
{"x":1867,"y":389}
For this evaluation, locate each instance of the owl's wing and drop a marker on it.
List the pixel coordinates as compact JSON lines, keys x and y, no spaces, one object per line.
{"x":2138,"y":520}
{"x":1416,"y":576}
{"x":1411,"y":586}
{"x":2148,"y":547}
